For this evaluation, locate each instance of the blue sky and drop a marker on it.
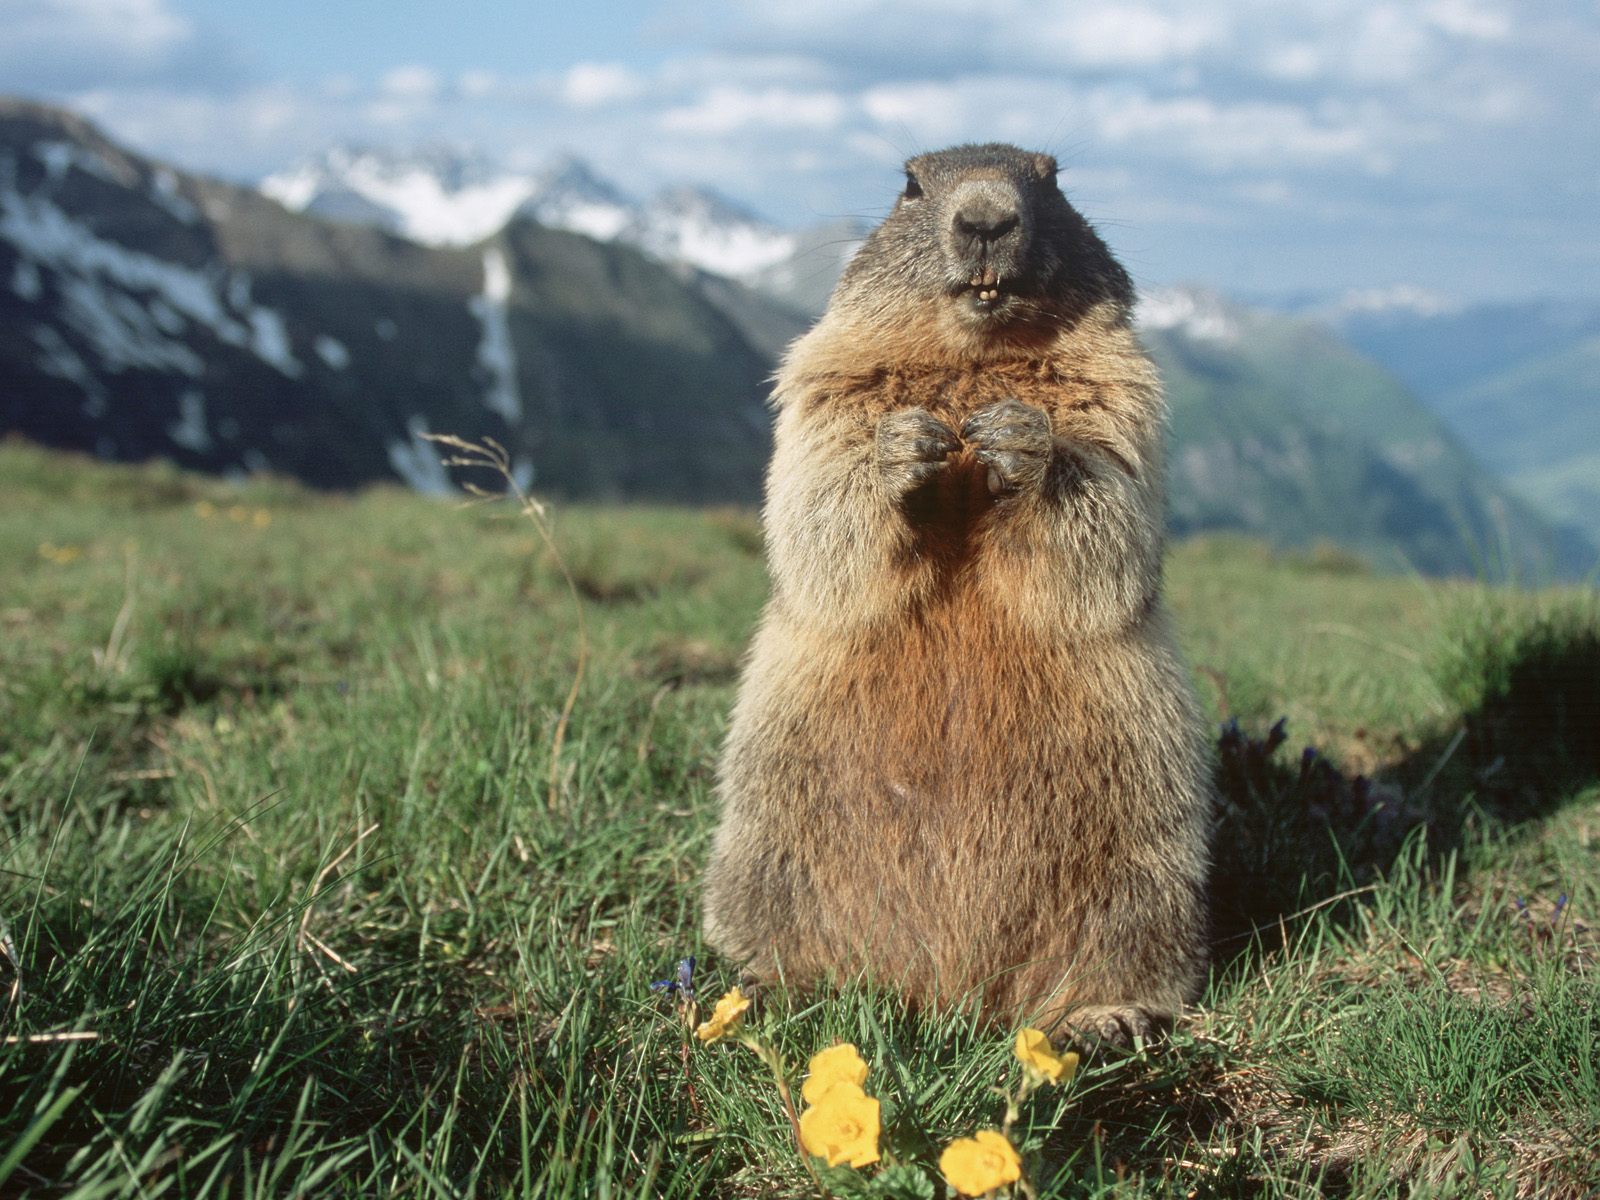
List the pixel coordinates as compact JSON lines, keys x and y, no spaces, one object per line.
{"x":1257,"y":145}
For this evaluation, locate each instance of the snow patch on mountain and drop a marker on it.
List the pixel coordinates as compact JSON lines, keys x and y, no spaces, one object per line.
{"x":1198,"y":314}
{"x":416,"y":460}
{"x":132,"y":306}
{"x":61,"y":360}
{"x":695,"y":226}
{"x":189,"y":431}
{"x":26,"y":281}
{"x":331,"y":351}
{"x":435,"y":197}
{"x":164,"y":191}
{"x":568,"y":195}
{"x":496,"y":357}
{"x":59,"y":157}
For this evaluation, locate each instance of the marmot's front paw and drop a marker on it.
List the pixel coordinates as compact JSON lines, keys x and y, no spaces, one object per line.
{"x":912,"y":447}
{"x":1013,"y":440}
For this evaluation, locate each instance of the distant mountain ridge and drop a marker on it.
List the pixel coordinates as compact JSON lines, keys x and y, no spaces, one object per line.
{"x":1278,"y":424}
{"x":1518,"y":382}
{"x":441,"y":197}
{"x":145,"y":311}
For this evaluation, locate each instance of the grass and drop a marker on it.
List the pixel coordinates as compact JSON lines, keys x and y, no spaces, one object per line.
{"x":289,"y":908}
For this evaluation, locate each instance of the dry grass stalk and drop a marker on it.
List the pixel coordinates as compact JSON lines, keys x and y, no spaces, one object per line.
{"x":490,"y":455}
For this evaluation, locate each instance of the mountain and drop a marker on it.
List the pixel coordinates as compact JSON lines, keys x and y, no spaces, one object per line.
{"x":441,"y":197}
{"x":1279,"y":427}
{"x":145,"y":311}
{"x":569,"y":195}
{"x":1518,"y":383}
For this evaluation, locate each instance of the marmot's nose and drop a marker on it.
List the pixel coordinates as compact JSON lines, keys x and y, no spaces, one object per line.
{"x":983,"y":218}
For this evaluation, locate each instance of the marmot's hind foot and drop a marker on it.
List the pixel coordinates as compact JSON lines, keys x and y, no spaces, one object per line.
{"x":1117,"y":1025}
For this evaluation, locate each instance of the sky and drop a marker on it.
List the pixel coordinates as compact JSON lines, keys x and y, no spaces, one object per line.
{"x":1269,"y":148}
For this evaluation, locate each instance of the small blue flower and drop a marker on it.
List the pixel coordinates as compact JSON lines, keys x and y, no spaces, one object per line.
{"x":683,"y":985}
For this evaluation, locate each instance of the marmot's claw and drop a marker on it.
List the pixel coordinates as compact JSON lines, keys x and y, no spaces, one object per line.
{"x":1117,"y":1025}
{"x":1008,"y":425}
{"x":912,"y":446}
{"x":1013,"y":440}
{"x":1011,"y":471}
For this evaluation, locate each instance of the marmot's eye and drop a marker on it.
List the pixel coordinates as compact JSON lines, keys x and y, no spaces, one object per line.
{"x":913,"y":188}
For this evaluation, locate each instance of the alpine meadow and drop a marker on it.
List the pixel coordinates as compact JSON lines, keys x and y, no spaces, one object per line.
{"x":873,"y":600}
{"x":342,"y":838}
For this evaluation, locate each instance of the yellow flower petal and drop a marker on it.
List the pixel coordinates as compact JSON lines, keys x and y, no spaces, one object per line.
{"x":1036,"y":1053}
{"x":836,"y":1064}
{"x":979,"y":1164}
{"x":843,"y":1127}
{"x":724,"y":1017}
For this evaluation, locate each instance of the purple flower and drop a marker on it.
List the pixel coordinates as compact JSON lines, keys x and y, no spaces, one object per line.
{"x":681,"y":986}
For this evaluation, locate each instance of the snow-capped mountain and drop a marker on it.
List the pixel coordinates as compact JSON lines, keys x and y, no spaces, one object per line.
{"x":1195,"y":312}
{"x":437,"y":196}
{"x":567,"y":194}
{"x":699,"y":227}
{"x":146,"y":312}
{"x":444,"y":198}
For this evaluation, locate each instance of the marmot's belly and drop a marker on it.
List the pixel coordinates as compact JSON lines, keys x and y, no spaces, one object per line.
{"x":946,"y":729}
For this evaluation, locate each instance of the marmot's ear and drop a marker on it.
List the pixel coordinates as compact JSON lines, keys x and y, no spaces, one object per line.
{"x":1044,"y":166}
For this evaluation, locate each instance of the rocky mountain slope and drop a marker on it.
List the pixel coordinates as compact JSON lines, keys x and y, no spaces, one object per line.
{"x":149,"y":312}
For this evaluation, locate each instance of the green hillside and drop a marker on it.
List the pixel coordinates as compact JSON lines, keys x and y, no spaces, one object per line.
{"x":1280,"y":429}
{"x":1518,"y":383}
{"x":314,"y":881}
{"x":1539,"y":423}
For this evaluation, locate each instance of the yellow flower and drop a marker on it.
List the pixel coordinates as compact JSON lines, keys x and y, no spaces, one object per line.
{"x":204,"y":509}
{"x":261,"y":518}
{"x":836,"y":1064}
{"x":60,"y":555}
{"x":1036,"y":1053}
{"x":724,"y":1017}
{"x":843,"y":1127}
{"x":980,"y":1164}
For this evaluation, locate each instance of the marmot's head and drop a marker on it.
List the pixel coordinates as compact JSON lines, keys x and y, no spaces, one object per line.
{"x":983,"y":234}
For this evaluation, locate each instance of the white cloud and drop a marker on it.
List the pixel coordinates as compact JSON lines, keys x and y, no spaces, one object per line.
{"x":591,"y":84}
{"x":1120,"y":35}
{"x":723,"y":109}
{"x":74,"y":43}
{"x":413,"y":83}
{"x":478,"y":84}
{"x":1469,"y":19}
{"x":1231,"y":135}
{"x":140,"y":29}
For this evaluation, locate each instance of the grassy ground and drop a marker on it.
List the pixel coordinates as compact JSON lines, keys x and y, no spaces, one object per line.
{"x":295,"y":904}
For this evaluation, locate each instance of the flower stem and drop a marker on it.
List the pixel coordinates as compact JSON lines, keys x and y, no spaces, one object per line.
{"x":774,"y":1062}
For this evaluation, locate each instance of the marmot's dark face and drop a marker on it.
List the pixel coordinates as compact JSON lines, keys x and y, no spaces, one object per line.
{"x":986,"y":230}
{"x":983,"y":206}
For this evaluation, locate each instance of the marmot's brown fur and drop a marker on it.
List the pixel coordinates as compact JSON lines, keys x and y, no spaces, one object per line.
{"x":966,"y":758}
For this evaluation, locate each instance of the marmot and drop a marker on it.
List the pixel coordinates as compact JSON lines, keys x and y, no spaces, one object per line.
{"x":966,"y":758}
